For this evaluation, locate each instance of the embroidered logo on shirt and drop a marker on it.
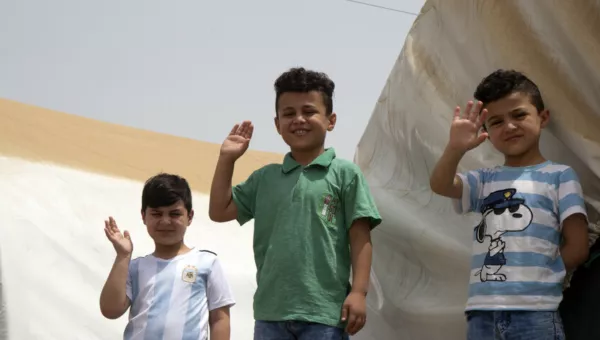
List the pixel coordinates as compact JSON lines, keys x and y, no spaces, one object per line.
{"x":328,"y":208}
{"x":189,"y":274}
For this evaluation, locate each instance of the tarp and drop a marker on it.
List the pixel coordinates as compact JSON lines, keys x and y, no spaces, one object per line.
{"x":422,"y":250}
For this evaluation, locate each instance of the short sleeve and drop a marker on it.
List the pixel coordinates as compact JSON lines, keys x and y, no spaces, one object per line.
{"x":132,"y":279}
{"x":218,"y":292}
{"x":244,"y":197}
{"x":570,"y":195}
{"x":359,"y":203}
{"x":472,"y":186}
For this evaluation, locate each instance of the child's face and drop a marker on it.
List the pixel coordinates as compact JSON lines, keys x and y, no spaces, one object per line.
{"x":302,"y":120}
{"x":167,"y":225}
{"x":514,"y":124}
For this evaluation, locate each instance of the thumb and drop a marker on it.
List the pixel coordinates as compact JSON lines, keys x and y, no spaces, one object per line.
{"x":344,"y":313}
{"x":482,"y":137}
{"x":126,"y":235}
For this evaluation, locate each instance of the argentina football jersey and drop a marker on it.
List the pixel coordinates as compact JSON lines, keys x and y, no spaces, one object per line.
{"x":171,"y":299}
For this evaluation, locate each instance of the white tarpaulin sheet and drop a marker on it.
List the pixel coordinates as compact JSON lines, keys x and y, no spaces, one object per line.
{"x":422,"y":250}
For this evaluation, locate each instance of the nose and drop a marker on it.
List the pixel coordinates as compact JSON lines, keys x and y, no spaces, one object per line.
{"x":299,"y":119}
{"x":511,"y":126}
{"x":517,"y":215}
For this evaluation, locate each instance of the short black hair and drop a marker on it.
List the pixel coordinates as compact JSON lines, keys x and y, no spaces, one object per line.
{"x":502,"y":83}
{"x":300,"y":79}
{"x":164,"y":189}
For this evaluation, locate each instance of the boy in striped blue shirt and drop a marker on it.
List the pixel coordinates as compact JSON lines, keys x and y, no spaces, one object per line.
{"x":533,"y":227}
{"x":177,"y":292}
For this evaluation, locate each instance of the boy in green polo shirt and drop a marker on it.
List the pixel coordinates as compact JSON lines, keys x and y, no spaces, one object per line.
{"x":312,"y":219}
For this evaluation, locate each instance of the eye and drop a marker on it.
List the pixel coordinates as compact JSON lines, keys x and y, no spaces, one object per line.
{"x":513,"y":208}
{"x":499,"y":211}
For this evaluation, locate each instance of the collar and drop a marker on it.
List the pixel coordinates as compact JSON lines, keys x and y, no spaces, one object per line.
{"x":324,"y":160}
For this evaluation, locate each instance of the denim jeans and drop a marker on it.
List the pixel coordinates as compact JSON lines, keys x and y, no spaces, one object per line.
{"x":514,"y":325}
{"x":296,"y":330}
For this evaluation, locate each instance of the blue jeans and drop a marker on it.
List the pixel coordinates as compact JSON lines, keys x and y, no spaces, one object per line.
{"x":514,"y":325}
{"x":296,"y":330}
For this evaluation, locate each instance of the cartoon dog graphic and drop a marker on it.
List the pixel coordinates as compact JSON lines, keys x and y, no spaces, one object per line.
{"x":502,"y":213}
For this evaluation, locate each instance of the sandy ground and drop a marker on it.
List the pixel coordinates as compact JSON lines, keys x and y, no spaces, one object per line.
{"x":42,"y":135}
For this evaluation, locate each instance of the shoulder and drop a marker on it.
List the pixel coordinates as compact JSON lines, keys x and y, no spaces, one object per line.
{"x":266,"y":170}
{"x":346,"y":168}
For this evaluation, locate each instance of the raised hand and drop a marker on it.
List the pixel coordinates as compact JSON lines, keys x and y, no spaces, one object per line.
{"x":121,"y":242}
{"x":465,"y":131}
{"x":238,"y":140}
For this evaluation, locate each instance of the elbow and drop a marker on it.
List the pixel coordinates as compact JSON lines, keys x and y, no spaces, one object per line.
{"x":215,"y":216}
{"x":111,"y":313}
{"x":435,"y":186}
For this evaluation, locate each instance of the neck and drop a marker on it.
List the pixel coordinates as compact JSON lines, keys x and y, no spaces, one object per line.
{"x":305,"y":157}
{"x":531,"y":157}
{"x":170,"y":251}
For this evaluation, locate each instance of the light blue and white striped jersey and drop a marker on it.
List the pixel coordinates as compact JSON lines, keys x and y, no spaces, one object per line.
{"x":171,"y":299}
{"x":516,"y":263}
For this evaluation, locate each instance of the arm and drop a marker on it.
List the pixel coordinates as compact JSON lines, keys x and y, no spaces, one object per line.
{"x":574,"y":249}
{"x":218,"y":320}
{"x":361,"y":252}
{"x":362,"y":215}
{"x":220,"y":300}
{"x":444,"y":180}
{"x":221,"y":206}
{"x":113,"y":298}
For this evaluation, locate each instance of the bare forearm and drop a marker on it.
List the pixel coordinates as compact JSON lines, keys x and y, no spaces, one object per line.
{"x":220,"y":191}
{"x":443,"y":179}
{"x":220,"y":330}
{"x":574,"y":254}
{"x":361,"y":251}
{"x":113,"y":298}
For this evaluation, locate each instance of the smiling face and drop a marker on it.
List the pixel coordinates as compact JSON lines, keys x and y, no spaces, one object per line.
{"x":167,"y":225}
{"x":302,"y":120}
{"x":514,"y":124}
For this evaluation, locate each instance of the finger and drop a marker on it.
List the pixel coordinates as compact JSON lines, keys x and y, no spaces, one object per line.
{"x":358,"y":325}
{"x":482,"y":137}
{"x":344,"y":313}
{"x":243,"y":130}
{"x":234,"y":130}
{"x":475,"y":112}
{"x":482,"y":117}
{"x":456,"y":113}
{"x":468,"y":109}
{"x":108,"y":228}
{"x":351,"y":323}
{"x":126,"y":235}
{"x":250,"y":131}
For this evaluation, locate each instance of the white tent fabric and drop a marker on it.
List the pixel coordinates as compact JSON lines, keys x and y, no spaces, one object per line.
{"x":422,"y":250}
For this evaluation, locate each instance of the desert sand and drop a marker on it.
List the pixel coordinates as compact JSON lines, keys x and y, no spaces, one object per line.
{"x":43,"y":135}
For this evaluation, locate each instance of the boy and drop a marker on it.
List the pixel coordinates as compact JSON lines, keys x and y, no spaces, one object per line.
{"x":519,"y":257}
{"x":176,"y":292}
{"x":312,"y":219}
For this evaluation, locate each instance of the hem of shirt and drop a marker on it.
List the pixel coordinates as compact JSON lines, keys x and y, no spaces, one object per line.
{"x":226,"y":303}
{"x":491,"y":308}
{"x":299,"y":317}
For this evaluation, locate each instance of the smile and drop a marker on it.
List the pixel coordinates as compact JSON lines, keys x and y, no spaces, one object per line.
{"x":300,"y":132}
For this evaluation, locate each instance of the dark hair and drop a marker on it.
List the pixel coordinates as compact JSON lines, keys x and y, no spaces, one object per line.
{"x":302,"y":80}
{"x":164,"y":190}
{"x":502,"y":83}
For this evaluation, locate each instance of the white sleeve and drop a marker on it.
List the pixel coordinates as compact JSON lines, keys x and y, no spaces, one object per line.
{"x":471,"y":193}
{"x":218,"y":292}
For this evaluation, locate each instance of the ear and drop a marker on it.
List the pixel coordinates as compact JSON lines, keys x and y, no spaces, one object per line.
{"x":277,"y":124}
{"x":480,"y":231}
{"x":190,"y":217}
{"x":332,"y":120}
{"x":144,"y":217}
{"x":544,"y":118}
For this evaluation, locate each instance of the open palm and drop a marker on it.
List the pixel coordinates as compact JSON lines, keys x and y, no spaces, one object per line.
{"x":238,"y":140}
{"x":121,"y":242}
{"x":465,"y":131}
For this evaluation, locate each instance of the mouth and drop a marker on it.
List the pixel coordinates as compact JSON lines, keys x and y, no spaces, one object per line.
{"x":513,"y":138}
{"x":300,"y":132}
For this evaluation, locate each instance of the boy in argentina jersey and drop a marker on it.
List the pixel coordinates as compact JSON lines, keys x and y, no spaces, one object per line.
{"x":176,"y":292}
{"x":533,"y":226}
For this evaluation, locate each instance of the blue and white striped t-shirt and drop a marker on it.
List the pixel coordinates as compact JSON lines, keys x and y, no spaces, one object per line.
{"x":516,"y":263}
{"x":171,"y":299}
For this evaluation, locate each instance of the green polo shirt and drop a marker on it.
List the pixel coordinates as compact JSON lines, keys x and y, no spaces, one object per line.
{"x":302,"y":216}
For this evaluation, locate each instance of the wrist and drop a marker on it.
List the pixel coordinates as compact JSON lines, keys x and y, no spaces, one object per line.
{"x":123,"y":257}
{"x":362,"y":292}
{"x":454,"y":153}
{"x":226,"y":159}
